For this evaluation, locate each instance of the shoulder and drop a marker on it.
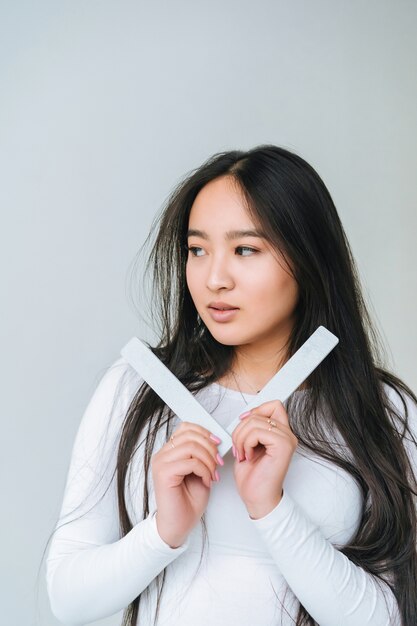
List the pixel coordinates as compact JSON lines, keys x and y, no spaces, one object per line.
{"x":113,"y":392}
{"x":119,"y":379}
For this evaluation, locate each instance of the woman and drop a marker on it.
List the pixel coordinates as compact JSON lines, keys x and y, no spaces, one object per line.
{"x":312,"y":520}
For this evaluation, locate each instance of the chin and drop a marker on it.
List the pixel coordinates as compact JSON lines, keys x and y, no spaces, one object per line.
{"x":228,"y":338}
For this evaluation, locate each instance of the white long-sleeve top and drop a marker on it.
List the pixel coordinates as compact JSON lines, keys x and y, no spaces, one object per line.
{"x":252,"y":571}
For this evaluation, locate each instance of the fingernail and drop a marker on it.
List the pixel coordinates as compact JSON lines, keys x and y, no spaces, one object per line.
{"x":216,"y":439}
{"x":241,"y":417}
{"x":219,"y":459}
{"x":234,"y":450}
{"x":217,"y":475}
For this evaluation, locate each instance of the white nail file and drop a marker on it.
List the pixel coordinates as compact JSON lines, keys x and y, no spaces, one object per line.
{"x":295,"y":370}
{"x":187,"y":408}
{"x":172,"y":391}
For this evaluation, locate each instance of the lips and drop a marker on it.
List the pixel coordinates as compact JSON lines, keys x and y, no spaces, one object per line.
{"x":222,"y":306}
{"x":222,"y":311}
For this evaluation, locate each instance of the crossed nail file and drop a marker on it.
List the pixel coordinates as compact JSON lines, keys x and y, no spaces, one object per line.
{"x":187,"y":408}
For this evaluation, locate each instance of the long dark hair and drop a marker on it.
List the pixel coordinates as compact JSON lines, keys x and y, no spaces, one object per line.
{"x":286,"y":197}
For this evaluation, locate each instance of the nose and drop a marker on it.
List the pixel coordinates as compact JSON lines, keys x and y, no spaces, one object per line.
{"x":219,"y":275}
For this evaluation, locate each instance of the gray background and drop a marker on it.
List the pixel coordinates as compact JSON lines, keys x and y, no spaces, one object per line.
{"x":104,"y":107}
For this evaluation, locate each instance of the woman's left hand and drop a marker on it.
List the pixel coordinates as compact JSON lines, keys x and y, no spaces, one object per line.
{"x":268,"y":453}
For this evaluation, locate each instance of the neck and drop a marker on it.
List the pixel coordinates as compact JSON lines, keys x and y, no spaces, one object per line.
{"x":254,"y":366}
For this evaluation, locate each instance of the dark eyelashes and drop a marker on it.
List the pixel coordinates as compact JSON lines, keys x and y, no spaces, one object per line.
{"x":192,"y":248}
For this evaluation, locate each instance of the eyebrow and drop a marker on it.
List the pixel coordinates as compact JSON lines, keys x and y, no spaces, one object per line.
{"x":230,"y":235}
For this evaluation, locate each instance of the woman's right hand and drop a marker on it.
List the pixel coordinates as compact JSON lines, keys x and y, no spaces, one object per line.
{"x":182,"y":478}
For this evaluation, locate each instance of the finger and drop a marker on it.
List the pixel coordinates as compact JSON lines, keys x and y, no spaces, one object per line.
{"x":260,"y":432}
{"x":252,"y":421}
{"x":273,"y":420}
{"x":191,"y":449}
{"x":185,"y":467}
{"x":273,"y":409}
{"x":188,"y":426}
{"x":268,"y":438}
{"x":195,"y":435}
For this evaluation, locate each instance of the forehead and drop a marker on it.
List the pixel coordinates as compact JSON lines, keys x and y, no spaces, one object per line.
{"x":220,"y":202}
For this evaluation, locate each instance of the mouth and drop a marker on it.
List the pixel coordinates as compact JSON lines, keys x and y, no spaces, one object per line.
{"x":222,"y":306}
{"x":222,"y":314}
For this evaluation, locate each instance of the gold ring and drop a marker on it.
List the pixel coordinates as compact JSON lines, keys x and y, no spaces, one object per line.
{"x":272,"y":422}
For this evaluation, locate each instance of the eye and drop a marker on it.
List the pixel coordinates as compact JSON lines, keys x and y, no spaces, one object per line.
{"x":246,"y":248}
{"x":193,"y":250}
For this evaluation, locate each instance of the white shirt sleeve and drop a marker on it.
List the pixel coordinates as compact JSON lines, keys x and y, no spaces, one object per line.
{"x":91,"y":572}
{"x":331,"y":587}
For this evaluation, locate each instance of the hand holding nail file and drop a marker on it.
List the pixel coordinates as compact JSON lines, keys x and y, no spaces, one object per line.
{"x":187,"y":408}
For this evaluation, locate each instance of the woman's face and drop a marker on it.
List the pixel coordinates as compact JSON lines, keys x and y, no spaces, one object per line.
{"x":226,"y":267}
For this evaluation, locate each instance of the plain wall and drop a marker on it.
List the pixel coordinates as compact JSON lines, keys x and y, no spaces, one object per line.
{"x":104,"y":106}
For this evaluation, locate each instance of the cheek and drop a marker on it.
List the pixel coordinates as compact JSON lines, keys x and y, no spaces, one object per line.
{"x":280,"y":293}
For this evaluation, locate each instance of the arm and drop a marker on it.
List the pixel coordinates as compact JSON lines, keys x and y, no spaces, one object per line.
{"x":91,"y":572}
{"x":332,"y":588}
